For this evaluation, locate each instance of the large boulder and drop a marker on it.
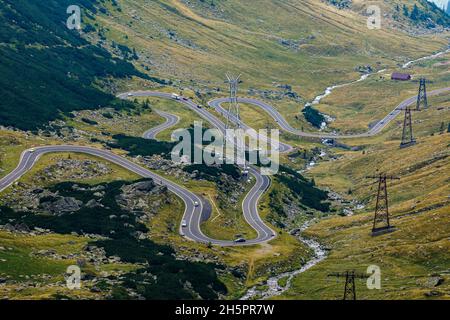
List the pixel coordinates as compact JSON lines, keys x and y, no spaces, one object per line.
{"x":61,"y":205}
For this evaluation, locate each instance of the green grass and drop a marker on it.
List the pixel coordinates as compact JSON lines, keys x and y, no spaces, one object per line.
{"x":242,"y":39}
{"x":131,"y":123}
{"x":71,"y":83}
{"x":119,"y":240}
{"x":19,"y":263}
{"x":418,"y":207}
{"x":406,"y":263}
{"x":187,"y":116}
{"x":358,"y":105}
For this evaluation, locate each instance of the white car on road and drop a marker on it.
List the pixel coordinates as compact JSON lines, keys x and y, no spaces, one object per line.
{"x":184,"y":224}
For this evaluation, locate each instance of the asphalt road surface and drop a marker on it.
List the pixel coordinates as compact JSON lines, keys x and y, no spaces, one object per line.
{"x":262,"y":182}
{"x":250,"y":203}
{"x":377,"y":128}
{"x":171,"y":120}
{"x":194,"y":206}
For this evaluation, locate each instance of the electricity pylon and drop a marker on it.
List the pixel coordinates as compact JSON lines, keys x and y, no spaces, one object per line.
{"x":422,"y":96}
{"x":407,"y":135}
{"x":381,"y":222}
{"x":350,"y":287}
{"x":233,"y":109}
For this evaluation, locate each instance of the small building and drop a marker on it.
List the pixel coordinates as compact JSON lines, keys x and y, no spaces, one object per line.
{"x":400,"y":76}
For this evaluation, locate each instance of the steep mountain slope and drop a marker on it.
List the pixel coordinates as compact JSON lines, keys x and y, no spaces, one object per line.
{"x":300,"y":46}
{"x":306,"y":44}
{"x":414,"y":259}
{"x":47,"y":68}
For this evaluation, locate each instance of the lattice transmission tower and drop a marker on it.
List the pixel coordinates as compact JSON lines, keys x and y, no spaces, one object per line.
{"x":381,"y":221}
{"x":422,"y":96}
{"x":233,"y":117}
{"x":350,"y":286}
{"x":407,"y":134}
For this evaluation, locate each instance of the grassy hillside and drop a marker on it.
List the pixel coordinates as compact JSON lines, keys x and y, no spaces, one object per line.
{"x":357,"y":106}
{"x":288,"y":51}
{"x":306,"y":44}
{"x":48,"y":69}
{"x":415,"y":255}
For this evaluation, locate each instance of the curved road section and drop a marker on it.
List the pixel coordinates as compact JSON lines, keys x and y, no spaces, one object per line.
{"x":250,"y":202}
{"x":194,"y":207}
{"x":193,"y":203}
{"x":171,"y":120}
{"x":283,"y":123}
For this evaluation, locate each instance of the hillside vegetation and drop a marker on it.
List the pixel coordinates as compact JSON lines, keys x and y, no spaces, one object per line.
{"x":414,"y":259}
{"x":306,"y":44}
{"x":48,"y":69}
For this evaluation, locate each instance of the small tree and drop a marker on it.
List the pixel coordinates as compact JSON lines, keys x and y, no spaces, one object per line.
{"x":405,"y":11}
{"x":415,"y":13}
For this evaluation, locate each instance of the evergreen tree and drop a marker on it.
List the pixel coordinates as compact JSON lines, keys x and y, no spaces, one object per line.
{"x":415,"y":13}
{"x":405,"y":11}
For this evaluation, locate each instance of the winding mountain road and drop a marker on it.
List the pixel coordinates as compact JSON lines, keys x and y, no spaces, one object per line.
{"x":194,"y":207}
{"x":284,"y":124}
{"x":250,"y":202}
{"x":171,"y":120}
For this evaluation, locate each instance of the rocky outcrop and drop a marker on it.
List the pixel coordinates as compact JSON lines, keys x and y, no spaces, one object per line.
{"x":61,"y":205}
{"x":142,"y":196}
{"x":71,"y":169}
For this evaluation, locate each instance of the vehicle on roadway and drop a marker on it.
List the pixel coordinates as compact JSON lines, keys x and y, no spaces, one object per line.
{"x":184,"y":224}
{"x":199,"y":106}
{"x":175,"y":96}
{"x":130,"y":94}
{"x":196,"y":204}
{"x":240,"y":240}
{"x":185,"y":99}
{"x":32,"y":150}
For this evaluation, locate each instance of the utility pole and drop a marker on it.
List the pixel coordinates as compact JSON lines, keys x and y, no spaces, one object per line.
{"x":422,"y":96}
{"x":350,"y":286}
{"x":381,"y":223}
{"x":407,"y":135}
{"x":233,"y":110}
